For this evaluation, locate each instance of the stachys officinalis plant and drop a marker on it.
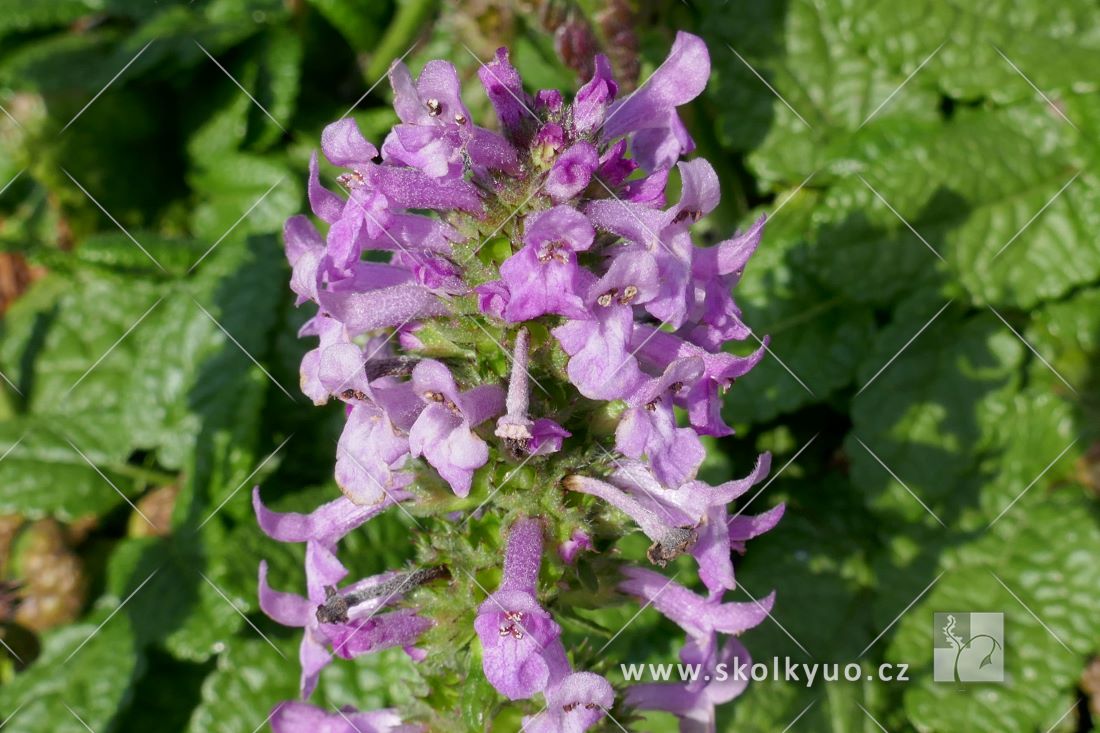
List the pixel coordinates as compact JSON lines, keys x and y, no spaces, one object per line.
{"x":528,"y":346}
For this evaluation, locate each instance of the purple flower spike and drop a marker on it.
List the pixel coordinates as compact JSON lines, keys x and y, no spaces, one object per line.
{"x":300,"y":717}
{"x":641,"y":317}
{"x":443,"y":433}
{"x":580,"y":701}
{"x":544,"y":277}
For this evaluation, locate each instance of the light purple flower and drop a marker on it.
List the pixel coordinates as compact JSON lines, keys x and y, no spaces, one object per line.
{"x":515,"y":631}
{"x":696,"y":615}
{"x":443,"y":431}
{"x":300,"y":717}
{"x":659,"y":138}
{"x":703,"y":399}
{"x":578,"y":541}
{"x":368,"y":454}
{"x":505,"y":90}
{"x":648,"y":426}
{"x":743,"y":528}
{"x":326,"y":524}
{"x":600,"y":365}
{"x":572,"y":171}
{"x":289,"y":609}
{"x":716,"y":271}
{"x":592,"y":100}
{"x":573,"y":706}
{"x":544,"y":277}
{"x":695,"y":702}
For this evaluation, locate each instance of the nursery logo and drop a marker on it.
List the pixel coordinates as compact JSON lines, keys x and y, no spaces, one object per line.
{"x":969,"y":647}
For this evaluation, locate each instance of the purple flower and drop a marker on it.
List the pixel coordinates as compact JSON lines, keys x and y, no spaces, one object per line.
{"x":322,"y":570}
{"x":515,"y":631}
{"x":695,"y":702}
{"x":744,"y":528}
{"x":305,"y":251}
{"x":300,"y":717}
{"x":716,"y":271}
{"x":659,"y":138}
{"x":364,"y":630}
{"x":537,"y":437}
{"x":703,"y":400}
{"x":369,"y":452}
{"x":572,"y":171}
{"x":505,"y":90}
{"x":640,"y":316}
{"x":590,"y":104}
{"x":443,"y":432}
{"x":600,"y":366}
{"x":573,"y":706}
{"x":544,"y":277}
{"x":325,"y":524}
{"x":648,"y":426}
{"x":578,"y":541}
{"x":696,"y":615}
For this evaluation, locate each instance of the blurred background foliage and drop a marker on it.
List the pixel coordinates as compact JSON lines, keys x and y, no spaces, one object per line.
{"x":929,"y":283}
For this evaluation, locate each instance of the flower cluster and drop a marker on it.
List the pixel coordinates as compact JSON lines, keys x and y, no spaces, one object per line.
{"x":526,"y":304}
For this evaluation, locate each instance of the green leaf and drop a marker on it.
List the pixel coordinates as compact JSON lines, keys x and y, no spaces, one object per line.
{"x":1041,"y":555}
{"x":1052,"y":49}
{"x":88,"y":668}
{"x":818,"y":556}
{"x":20,"y":16}
{"x":180,"y":603}
{"x":243,"y":193}
{"x":817,"y":337}
{"x":68,"y":469}
{"x":924,"y":415}
{"x":807,"y":53}
{"x":361,"y":22}
{"x":250,"y":679}
{"x":1067,"y":334}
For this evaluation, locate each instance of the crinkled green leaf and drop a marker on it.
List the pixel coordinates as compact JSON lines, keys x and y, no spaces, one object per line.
{"x":243,"y":193}
{"x":180,"y":603}
{"x":922,"y":414}
{"x":806,"y":52}
{"x":84,"y":675}
{"x":817,"y":337}
{"x":1050,"y":48}
{"x":1038,"y":568}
